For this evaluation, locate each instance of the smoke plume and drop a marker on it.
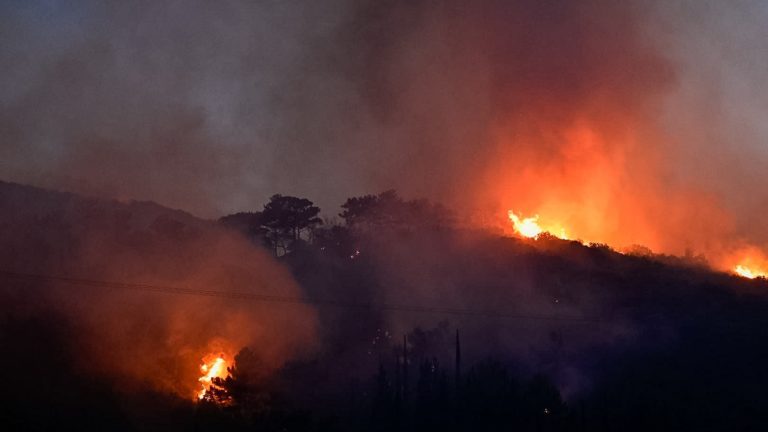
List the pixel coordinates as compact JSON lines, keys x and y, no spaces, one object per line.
{"x":627,"y":123}
{"x":155,"y":326}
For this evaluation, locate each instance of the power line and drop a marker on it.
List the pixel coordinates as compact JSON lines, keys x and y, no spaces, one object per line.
{"x":241,"y":295}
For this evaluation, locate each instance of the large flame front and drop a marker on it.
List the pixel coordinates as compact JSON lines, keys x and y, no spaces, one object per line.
{"x":753,"y":263}
{"x":529,"y":226}
{"x":213,"y":366}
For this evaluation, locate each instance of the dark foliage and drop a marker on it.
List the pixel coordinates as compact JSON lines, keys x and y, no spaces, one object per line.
{"x":388,"y":211}
{"x":286,"y":218}
{"x":247,"y":223}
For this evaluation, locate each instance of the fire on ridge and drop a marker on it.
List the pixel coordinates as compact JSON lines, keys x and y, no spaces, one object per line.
{"x":530,"y":227}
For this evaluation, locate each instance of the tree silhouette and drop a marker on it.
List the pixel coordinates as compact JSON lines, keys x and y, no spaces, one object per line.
{"x":247,"y":223}
{"x":359,"y":210}
{"x":243,"y":390}
{"x":336,"y":238}
{"x":286,"y":218}
{"x":388,"y":210}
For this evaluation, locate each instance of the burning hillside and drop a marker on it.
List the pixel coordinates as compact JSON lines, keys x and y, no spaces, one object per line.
{"x":148,"y":286}
{"x":750,"y":261}
{"x":574,"y":187}
{"x":553,"y":305}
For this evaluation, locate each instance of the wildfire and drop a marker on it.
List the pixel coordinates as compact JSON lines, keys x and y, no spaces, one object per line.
{"x":749,"y":262}
{"x":529,"y":227}
{"x":747,"y":272}
{"x":213,"y":366}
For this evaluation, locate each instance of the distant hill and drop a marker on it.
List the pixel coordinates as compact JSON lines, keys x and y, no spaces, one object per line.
{"x":40,"y":228}
{"x":21,"y":202}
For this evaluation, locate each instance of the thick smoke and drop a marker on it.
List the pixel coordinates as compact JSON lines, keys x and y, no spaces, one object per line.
{"x":623,"y":122}
{"x":148,"y":335}
{"x":631,"y":122}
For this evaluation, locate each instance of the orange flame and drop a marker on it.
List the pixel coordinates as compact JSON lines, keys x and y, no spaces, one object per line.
{"x":588,"y":184}
{"x":749,"y":273}
{"x":748,"y":261}
{"x":213,"y":366}
{"x":529,"y":226}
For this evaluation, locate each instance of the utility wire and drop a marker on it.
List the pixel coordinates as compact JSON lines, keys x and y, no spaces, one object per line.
{"x":242,"y":295}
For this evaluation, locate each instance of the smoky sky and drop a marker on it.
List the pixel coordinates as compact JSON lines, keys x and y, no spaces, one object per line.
{"x":213,"y":107}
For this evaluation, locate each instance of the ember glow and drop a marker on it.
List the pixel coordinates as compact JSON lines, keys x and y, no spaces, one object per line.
{"x":213,"y":366}
{"x":531,"y":228}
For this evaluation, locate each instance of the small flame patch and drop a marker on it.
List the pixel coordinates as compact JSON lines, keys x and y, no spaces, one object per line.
{"x":213,"y":366}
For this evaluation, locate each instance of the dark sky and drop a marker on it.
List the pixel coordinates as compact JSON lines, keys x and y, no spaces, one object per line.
{"x":214,"y":106}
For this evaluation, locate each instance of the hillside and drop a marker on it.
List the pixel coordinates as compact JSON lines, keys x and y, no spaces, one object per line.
{"x":634,"y":342}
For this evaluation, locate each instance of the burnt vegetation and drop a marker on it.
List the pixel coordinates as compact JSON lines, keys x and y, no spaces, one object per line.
{"x":423,"y":325}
